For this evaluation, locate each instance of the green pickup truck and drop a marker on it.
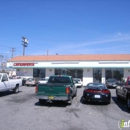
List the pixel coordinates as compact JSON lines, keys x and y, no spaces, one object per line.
{"x":58,"y":88}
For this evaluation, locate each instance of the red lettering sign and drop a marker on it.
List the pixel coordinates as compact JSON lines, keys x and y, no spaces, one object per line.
{"x":23,"y":64}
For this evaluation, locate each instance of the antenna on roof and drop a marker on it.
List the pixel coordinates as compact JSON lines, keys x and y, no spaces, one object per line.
{"x":47,"y":52}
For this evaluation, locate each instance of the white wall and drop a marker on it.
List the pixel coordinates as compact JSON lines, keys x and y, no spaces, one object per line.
{"x":87,"y":76}
{"x":24,"y":72}
{"x":49,"y":72}
{"x":76,"y":64}
{"x":103,"y":75}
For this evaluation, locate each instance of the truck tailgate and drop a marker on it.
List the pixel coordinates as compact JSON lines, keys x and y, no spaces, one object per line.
{"x":52,"y":89}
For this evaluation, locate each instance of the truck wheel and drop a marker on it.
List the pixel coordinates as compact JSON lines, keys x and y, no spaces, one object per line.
{"x":16,"y":89}
{"x":70,"y":101}
{"x":128,"y":103}
{"x":75,"y":93}
{"x":41,"y":101}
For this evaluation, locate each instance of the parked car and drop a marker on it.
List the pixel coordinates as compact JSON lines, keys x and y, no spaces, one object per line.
{"x":43,"y":80}
{"x":111,"y":82}
{"x":9,"y":84}
{"x":123,"y":91}
{"x":78,"y":82}
{"x":58,"y":88}
{"x":24,"y":80}
{"x":96,"y":92}
{"x":31,"y":82}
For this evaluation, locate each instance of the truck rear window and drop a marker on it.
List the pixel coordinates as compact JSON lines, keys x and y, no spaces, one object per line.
{"x":59,"y":80}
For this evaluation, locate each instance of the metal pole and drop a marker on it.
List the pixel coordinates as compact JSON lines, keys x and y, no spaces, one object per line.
{"x":25,"y":42}
{"x":23,"y":49}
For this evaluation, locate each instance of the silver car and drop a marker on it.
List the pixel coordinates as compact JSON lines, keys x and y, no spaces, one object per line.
{"x":111,"y":82}
{"x":31,"y":82}
{"x":78,"y":82}
{"x":43,"y":80}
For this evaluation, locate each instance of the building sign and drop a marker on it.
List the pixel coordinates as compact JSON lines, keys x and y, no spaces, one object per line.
{"x":23,"y":64}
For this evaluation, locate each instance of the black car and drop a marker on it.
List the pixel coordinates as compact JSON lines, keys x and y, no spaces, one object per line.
{"x":96,"y":92}
{"x":111,"y":83}
{"x":123,"y":92}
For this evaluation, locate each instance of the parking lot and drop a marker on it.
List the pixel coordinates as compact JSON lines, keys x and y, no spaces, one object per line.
{"x":22,"y":111}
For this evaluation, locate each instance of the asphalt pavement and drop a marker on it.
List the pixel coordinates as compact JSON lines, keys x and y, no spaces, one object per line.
{"x":22,"y":111}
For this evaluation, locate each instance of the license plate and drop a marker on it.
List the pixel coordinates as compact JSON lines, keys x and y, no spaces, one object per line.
{"x":50,"y":97}
{"x":97,"y":96}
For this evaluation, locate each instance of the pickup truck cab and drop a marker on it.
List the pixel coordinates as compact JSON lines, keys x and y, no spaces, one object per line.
{"x":9,"y":84}
{"x":123,"y":91}
{"x":58,"y":88}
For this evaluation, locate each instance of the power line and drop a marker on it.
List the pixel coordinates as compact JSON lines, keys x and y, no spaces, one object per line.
{"x":5,"y":46}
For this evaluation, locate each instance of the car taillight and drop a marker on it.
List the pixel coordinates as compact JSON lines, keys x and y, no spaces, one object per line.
{"x":36,"y":89}
{"x":90,"y":90}
{"x":67,"y":90}
{"x":105,"y":91}
{"x":93,"y":90}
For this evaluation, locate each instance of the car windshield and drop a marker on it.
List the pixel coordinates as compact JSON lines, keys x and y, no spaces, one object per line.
{"x":111,"y":80}
{"x":30,"y":79}
{"x":96,"y":85}
{"x":76,"y":79}
{"x":24,"y":78}
{"x":59,"y":80}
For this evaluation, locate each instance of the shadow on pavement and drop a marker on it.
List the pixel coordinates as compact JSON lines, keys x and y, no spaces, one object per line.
{"x":92,"y":103}
{"x":52,"y":104}
{"x":6,"y":93}
{"x":121,"y":104}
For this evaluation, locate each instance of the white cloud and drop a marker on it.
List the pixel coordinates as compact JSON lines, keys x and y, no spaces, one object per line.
{"x":117,"y":44}
{"x":119,"y":38}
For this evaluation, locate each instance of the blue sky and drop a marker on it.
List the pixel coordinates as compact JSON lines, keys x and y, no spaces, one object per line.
{"x":65,"y":26}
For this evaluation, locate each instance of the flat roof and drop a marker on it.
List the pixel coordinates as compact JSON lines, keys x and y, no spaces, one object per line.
{"x":77,"y":57}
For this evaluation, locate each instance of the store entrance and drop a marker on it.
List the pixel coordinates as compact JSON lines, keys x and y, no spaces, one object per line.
{"x":75,"y":73}
{"x":97,"y":74}
{"x":39,"y":73}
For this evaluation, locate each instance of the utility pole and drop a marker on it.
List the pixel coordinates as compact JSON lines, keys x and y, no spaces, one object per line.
{"x":12,"y":50}
{"x":25,"y":42}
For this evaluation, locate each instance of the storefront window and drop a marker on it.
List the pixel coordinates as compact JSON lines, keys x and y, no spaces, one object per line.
{"x":116,"y":73}
{"x":40,"y":73}
{"x":75,"y":73}
{"x":57,"y":71}
{"x":97,"y":74}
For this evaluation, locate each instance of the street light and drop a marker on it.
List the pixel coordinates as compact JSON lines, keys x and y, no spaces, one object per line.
{"x":25,"y":42}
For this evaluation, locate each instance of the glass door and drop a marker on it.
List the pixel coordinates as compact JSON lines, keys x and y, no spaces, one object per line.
{"x":97,"y":75}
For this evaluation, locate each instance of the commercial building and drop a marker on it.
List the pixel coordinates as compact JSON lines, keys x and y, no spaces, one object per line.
{"x":88,"y":67}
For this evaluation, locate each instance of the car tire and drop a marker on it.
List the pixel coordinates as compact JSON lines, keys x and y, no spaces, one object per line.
{"x":108,"y":102}
{"x":128,"y":103}
{"x":117,"y":96}
{"x":83,"y":100}
{"x":16,"y":89}
{"x":41,"y":101}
